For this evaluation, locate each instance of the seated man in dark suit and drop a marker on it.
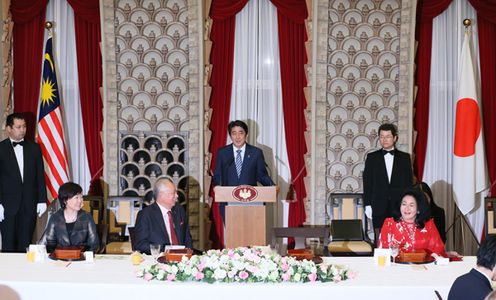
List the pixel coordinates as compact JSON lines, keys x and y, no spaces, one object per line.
{"x":476,"y":284}
{"x":164,"y":222}
{"x":239,"y":162}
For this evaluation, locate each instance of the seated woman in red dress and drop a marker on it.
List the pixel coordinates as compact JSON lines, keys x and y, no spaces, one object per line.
{"x":411,"y":228}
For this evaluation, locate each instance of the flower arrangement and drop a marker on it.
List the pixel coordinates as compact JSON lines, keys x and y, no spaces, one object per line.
{"x":244,"y":265}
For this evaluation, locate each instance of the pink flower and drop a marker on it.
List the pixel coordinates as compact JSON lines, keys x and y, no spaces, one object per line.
{"x":337,"y":278}
{"x":243,"y":275}
{"x":230,"y":253}
{"x":286,"y":276}
{"x":323,"y":268}
{"x":352,"y":274}
{"x":312,"y":277}
{"x":148,"y":276}
{"x":199,"y":276}
{"x":171,"y":277}
{"x":284,"y":266}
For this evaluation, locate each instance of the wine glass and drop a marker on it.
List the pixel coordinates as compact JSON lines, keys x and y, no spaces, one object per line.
{"x":155,"y":251}
{"x":395,"y":250}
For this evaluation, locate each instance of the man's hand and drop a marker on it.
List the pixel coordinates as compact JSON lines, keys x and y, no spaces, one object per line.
{"x":368,"y":211}
{"x":41,"y":208}
{"x":1,"y":212}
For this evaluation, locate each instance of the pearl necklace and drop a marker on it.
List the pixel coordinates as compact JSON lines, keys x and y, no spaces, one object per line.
{"x":71,"y":219}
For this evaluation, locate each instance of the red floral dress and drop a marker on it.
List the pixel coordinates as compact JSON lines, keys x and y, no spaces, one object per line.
{"x":411,"y":238}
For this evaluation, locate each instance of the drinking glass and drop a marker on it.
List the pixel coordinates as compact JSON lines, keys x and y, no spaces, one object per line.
{"x":155,"y":250}
{"x":395,"y":250}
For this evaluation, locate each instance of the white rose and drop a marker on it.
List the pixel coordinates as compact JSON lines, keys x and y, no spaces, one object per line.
{"x":220,"y":274}
{"x":161,"y":275}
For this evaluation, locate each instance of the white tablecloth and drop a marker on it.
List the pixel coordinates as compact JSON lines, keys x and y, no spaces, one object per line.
{"x":112,"y":277}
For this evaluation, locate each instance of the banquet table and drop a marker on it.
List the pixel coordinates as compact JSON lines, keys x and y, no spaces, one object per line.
{"x":113,"y":277}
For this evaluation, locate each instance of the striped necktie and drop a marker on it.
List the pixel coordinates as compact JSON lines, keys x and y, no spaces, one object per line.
{"x":239,"y":162}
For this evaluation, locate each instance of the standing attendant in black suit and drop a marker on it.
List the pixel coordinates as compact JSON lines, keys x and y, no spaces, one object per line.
{"x":476,"y":284}
{"x":387,"y":173}
{"x":240,"y":163}
{"x":22,"y":186}
{"x":164,"y":222}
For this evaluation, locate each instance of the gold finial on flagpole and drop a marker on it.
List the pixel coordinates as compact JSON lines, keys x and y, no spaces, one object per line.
{"x":48,"y":25}
{"x":467,"y":22}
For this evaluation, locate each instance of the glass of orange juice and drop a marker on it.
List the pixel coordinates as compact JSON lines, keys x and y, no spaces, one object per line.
{"x":30,"y":255}
{"x":381,"y":260}
{"x":136,"y":258}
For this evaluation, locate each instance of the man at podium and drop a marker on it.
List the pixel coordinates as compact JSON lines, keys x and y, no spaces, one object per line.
{"x":239,"y":163}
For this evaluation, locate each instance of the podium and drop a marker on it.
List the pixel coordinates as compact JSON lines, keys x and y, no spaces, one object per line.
{"x":245,"y":218}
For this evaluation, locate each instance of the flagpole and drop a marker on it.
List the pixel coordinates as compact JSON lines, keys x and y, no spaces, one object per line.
{"x":467,"y":23}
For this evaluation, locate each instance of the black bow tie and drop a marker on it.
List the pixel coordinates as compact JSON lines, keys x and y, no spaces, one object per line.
{"x":17,"y":143}
{"x":386,"y":152}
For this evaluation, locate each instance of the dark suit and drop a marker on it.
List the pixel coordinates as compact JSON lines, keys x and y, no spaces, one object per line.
{"x":150,"y":228}
{"x":253,"y":169}
{"x":20,"y":197}
{"x":378,"y":192}
{"x":472,"y":285}
{"x":83,"y":234}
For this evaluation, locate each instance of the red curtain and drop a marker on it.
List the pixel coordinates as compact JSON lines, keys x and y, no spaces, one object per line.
{"x":291,"y":16}
{"x":223,"y":14}
{"x":486,"y":24}
{"x":29,"y":27}
{"x":427,"y":10}
{"x":87,"y":27}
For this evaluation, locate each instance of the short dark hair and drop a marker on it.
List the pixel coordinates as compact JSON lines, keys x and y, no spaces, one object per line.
{"x":388,"y":127}
{"x":486,"y":255}
{"x":10,"y":119}
{"x":67,"y":191}
{"x":237,"y":123}
{"x":422,"y":207}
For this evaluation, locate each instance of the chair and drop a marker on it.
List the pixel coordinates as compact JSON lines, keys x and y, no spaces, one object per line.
{"x":321,"y":232}
{"x":94,"y":206}
{"x":490,"y":219}
{"x":121,"y":214}
{"x":347,"y":226}
{"x":102,"y":230}
{"x":132,"y":235}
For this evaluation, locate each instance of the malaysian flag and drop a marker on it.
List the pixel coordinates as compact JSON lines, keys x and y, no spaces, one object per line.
{"x":50,"y":128}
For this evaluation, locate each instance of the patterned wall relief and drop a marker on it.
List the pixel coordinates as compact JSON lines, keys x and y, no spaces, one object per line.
{"x":152,"y":65}
{"x":362,"y":84}
{"x":145,"y":157}
{"x":153,"y":102}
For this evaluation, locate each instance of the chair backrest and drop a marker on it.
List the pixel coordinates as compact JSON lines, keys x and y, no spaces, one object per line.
{"x":94,"y":206}
{"x":348,"y":206}
{"x":490,"y":212}
{"x":132,"y":235}
{"x":102,"y":230}
{"x":347,"y":230}
{"x":122,"y":212}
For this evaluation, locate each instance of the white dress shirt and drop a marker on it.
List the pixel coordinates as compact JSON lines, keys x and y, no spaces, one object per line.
{"x":389,"y":159}
{"x":19,"y":153}
{"x":242,"y":152}
{"x":165,"y":216}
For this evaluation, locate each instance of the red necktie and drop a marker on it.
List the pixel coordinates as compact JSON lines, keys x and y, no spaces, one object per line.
{"x":173,"y":236}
